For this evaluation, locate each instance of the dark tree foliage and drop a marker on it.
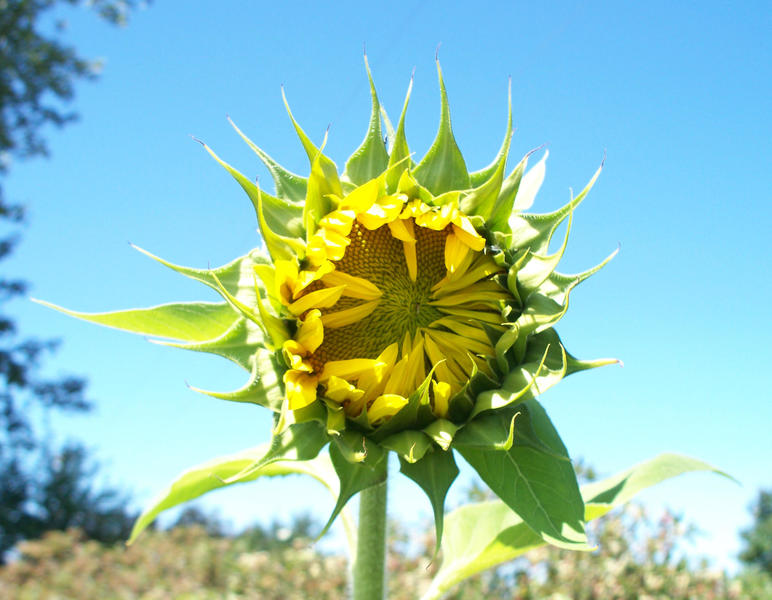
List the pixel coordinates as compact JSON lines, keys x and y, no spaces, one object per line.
{"x":38,"y":71}
{"x":758,"y":539}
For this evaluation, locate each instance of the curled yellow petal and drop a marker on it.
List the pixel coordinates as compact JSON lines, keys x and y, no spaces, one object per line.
{"x":466,"y":232}
{"x":363,"y":197}
{"x":300,"y":389}
{"x":323,"y":298}
{"x":441,"y":394}
{"x":402,"y":229}
{"x":340,"y":391}
{"x":311,"y":332}
{"x":384,"y":406}
{"x":339,"y":221}
{"x":355,"y":287}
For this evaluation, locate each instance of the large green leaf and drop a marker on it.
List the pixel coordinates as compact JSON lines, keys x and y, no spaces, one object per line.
{"x":213,"y":474}
{"x":434,"y":473}
{"x":537,"y":483}
{"x":185,"y":321}
{"x":482,"y":535}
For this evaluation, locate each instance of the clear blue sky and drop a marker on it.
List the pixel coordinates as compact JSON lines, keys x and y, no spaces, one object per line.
{"x":676,"y":94}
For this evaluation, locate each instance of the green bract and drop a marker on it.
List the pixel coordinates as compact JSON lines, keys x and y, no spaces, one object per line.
{"x":399,"y":306}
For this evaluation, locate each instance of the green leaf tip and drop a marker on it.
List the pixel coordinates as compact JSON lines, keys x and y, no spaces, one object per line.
{"x":371,"y":158}
{"x":443,"y":169}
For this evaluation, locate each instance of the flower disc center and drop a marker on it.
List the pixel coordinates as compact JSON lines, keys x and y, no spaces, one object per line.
{"x":378,"y":257}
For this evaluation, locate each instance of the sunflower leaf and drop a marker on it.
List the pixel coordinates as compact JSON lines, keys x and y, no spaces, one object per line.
{"x":211,"y":475}
{"x":482,"y":535}
{"x":540,"y":487}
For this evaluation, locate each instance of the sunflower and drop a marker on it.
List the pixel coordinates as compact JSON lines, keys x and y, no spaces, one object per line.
{"x":399,"y":306}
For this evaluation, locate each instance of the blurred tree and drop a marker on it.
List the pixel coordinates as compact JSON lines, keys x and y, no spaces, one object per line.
{"x":67,"y":498}
{"x":209,"y":521}
{"x":37,"y":74}
{"x":758,"y":539}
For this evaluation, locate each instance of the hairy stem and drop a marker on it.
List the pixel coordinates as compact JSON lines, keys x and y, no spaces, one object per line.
{"x":369,"y":571}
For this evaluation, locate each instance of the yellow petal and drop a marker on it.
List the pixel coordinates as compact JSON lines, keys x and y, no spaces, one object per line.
{"x":402,"y":229}
{"x":439,"y":361}
{"x":340,"y":391}
{"x":481,"y":268}
{"x":413,"y":209}
{"x":335,"y":244}
{"x":311,"y":332}
{"x":467,"y":329}
{"x":460,"y":345}
{"x":490,"y":317}
{"x":295,"y":354}
{"x":323,"y":298}
{"x":355,"y":287}
{"x":441,"y":393}
{"x":363,"y":197}
{"x":306,"y":278}
{"x":348,"y":316}
{"x":386,"y":405}
{"x":374,"y":381}
{"x":466,"y":232}
{"x":286,"y":279}
{"x":300,"y":389}
{"x":353,"y":368}
{"x":455,"y":252}
{"x":397,"y":382}
{"x":463,"y":297}
{"x":434,"y":220}
{"x":411,"y":259}
{"x":339,"y":221}
{"x":380,"y":213}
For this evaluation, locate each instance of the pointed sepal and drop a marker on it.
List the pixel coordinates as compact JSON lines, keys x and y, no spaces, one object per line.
{"x":434,"y":474}
{"x":443,"y":168}
{"x":370,"y":159}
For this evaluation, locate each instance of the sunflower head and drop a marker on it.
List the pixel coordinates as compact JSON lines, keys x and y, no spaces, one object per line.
{"x":400,"y":306}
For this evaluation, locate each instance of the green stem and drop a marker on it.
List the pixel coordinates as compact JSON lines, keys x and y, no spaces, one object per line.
{"x":369,"y":571}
